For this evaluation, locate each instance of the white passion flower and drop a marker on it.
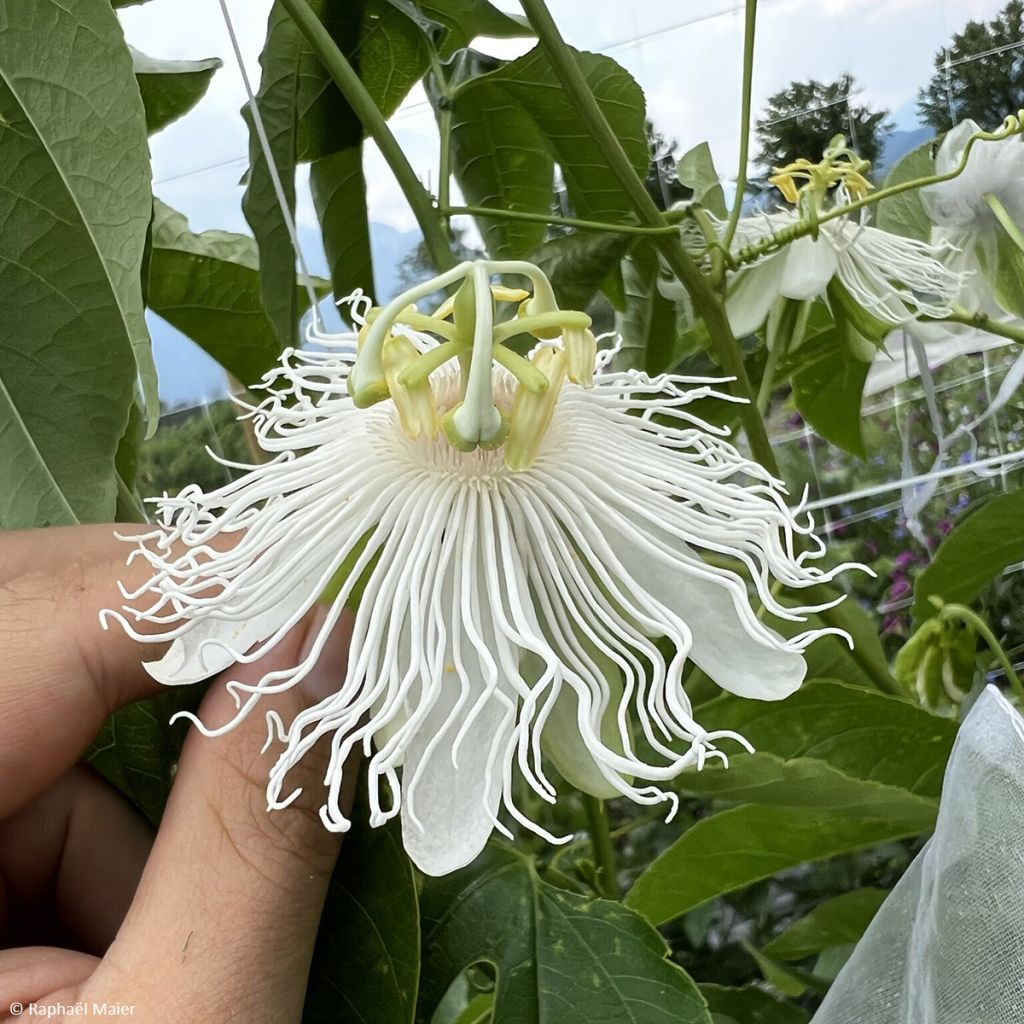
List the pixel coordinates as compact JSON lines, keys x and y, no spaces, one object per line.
{"x":967,"y":210}
{"x":529,"y":540}
{"x":891,"y":277}
{"x":994,"y":169}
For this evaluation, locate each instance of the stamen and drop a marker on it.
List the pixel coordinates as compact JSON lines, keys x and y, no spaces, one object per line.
{"x":531,"y":413}
{"x":416,"y":406}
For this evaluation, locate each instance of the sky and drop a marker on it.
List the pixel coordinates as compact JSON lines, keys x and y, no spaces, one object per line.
{"x":686,"y":56}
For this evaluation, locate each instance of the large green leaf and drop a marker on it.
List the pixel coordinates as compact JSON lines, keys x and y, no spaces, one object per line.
{"x":879,"y":759}
{"x":839,"y":921}
{"x":904,"y":214}
{"x":560,"y":957}
{"x":861,"y":733}
{"x":339,"y":195}
{"x":501,"y":159}
{"x":208,"y":286}
{"x":171,"y":88}
{"x":75,"y":209}
{"x":828,"y":383}
{"x":765,"y":778}
{"x":306,"y":118}
{"x":366,"y":962}
{"x":730,"y":850}
{"x":970,"y":557}
{"x":512,"y":125}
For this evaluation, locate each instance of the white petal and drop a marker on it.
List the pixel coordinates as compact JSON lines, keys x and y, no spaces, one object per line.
{"x":563,"y":743}
{"x":448,"y":812}
{"x":808,"y":266}
{"x":188,"y":661}
{"x":751,"y":294}
{"x":723,"y":645}
{"x":449,"y":807}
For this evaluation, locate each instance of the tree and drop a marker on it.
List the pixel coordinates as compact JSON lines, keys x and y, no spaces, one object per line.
{"x":800,"y":120}
{"x":980,"y":75}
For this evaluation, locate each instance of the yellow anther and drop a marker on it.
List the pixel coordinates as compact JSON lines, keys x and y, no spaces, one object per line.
{"x":416,"y":407}
{"x":445,"y":310}
{"x":503,"y":294}
{"x":531,"y":413}
{"x":785,"y":182}
{"x":581,"y":354}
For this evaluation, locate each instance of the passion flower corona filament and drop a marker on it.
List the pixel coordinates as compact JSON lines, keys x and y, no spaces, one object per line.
{"x":535,"y":551}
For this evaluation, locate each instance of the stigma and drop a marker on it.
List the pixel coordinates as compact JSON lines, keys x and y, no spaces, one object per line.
{"x":448,"y":372}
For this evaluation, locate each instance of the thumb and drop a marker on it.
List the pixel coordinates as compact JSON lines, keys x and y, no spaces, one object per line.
{"x":227,"y":910}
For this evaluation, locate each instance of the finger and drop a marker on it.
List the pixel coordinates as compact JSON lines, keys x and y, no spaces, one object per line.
{"x":31,"y":973}
{"x":61,"y":673}
{"x":232,"y":894}
{"x":78,"y":850}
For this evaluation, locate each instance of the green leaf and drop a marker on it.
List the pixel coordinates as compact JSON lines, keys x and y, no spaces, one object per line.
{"x":879,"y":758}
{"x":593,"y":188}
{"x":208,"y":286}
{"x":836,"y":922}
{"x":749,"y":1005}
{"x":785,"y":979}
{"x":862,"y":733}
{"x":579,"y":263}
{"x":464,"y":20}
{"x":501,"y":160}
{"x":137,"y":749}
{"x":904,"y":214}
{"x":339,"y":195}
{"x":510,"y":127}
{"x":306,"y":118}
{"x":696,"y":170}
{"x":171,"y":88}
{"x":559,"y":956}
{"x":765,"y":778}
{"x":827,"y":388}
{"x":75,"y":209}
{"x":973,"y":554}
{"x":735,"y":848}
{"x":366,"y":961}
{"x":648,"y":326}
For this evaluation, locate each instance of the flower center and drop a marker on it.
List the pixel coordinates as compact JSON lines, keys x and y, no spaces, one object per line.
{"x":489,"y":396}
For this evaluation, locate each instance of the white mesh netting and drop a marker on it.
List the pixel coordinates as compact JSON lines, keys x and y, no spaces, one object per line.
{"x":947,"y":946}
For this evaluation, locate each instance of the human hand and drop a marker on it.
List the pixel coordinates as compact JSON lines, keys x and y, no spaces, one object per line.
{"x":215,"y":918}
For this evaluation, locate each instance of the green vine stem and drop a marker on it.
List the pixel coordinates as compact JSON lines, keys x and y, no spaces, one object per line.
{"x":980,"y":626}
{"x":749,"y":27}
{"x":427,"y":215}
{"x":571,"y":222}
{"x":707,"y":303}
{"x":982,"y":322}
{"x":602,"y":846}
